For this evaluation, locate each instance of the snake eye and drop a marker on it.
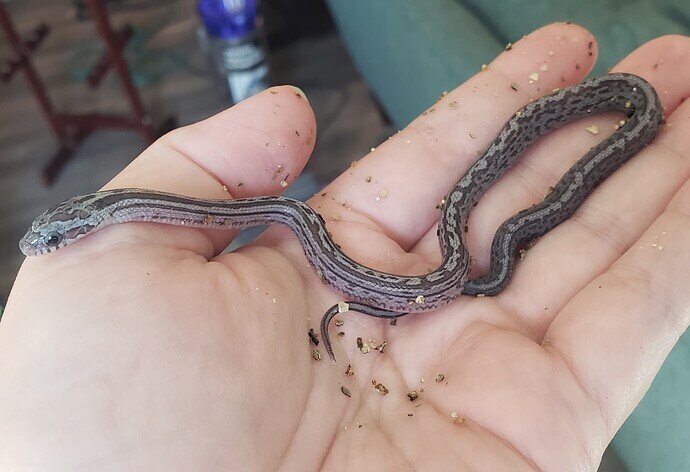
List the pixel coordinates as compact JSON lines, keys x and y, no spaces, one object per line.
{"x":52,"y":239}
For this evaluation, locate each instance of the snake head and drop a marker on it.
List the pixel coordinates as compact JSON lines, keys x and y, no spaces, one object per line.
{"x":59,"y":226}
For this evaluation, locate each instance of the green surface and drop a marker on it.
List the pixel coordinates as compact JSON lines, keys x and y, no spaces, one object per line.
{"x":411,"y":51}
{"x":656,"y":437}
{"x":619,"y":25}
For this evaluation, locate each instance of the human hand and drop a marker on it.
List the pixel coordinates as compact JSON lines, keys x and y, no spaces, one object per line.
{"x":142,"y":348}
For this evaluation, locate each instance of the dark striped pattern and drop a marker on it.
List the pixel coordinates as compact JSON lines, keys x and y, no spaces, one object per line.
{"x":378,"y":293}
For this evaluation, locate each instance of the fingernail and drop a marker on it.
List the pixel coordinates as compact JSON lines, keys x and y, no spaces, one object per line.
{"x":299,"y":92}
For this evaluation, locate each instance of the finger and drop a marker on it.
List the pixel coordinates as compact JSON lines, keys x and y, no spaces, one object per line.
{"x":394,"y":190}
{"x":616,"y":333}
{"x":619,"y":211}
{"x":244,"y":151}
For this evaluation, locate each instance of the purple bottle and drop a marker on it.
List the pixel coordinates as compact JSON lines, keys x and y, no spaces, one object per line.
{"x":235,"y":44}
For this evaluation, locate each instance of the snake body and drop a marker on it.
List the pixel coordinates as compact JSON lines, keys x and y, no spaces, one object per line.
{"x":381,"y":294}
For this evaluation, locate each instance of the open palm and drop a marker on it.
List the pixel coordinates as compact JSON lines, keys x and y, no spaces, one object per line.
{"x":142,"y":348}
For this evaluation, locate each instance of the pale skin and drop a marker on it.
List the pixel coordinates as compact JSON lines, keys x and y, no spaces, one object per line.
{"x":142,"y":348}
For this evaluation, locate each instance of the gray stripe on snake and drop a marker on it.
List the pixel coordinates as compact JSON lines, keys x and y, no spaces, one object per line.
{"x":378,"y":293}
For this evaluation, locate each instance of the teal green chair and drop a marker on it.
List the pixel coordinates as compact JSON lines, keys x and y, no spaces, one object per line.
{"x":410,"y":51}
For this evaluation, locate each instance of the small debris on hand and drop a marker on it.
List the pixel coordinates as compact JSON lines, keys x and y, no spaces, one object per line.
{"x":312,"y":337}
{"x":379,"y":387}
{"x":594,"y":129}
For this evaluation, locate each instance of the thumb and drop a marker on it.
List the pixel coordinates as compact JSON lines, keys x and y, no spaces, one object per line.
{"x":244,"y":151}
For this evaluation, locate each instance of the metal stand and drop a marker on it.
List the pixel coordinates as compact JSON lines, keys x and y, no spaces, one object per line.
{"x":71,"y":129}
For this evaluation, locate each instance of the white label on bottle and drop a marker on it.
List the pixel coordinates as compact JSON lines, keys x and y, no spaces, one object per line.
{"x":245,"y":83}
{"x":242,"y":56}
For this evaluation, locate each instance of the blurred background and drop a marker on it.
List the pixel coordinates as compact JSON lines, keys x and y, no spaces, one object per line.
{"x":86,"y":85}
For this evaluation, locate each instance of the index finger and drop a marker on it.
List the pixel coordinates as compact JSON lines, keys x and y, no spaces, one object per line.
{"x":398,"y":185}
